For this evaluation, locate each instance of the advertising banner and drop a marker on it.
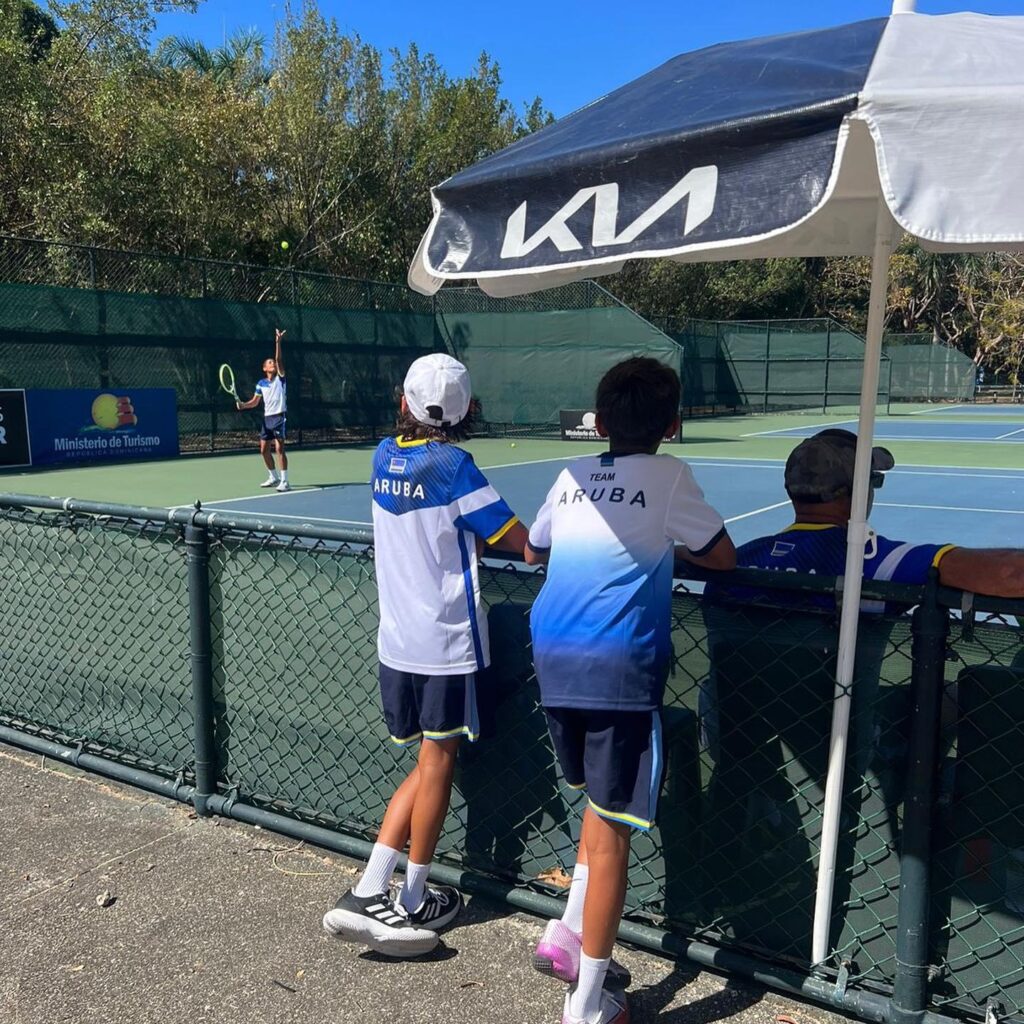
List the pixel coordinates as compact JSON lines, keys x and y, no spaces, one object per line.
{"x":84,"y":425}
{"x":14,"y":449}
{"x":579,"y":425}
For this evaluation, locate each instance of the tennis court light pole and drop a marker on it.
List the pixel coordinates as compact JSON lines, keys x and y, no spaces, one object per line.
{"x":858,"y":534}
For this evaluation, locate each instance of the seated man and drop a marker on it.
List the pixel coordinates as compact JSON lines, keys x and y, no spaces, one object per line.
{"x":819,"y":482}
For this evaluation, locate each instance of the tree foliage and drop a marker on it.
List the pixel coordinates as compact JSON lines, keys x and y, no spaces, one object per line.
{"x":112,"y":137}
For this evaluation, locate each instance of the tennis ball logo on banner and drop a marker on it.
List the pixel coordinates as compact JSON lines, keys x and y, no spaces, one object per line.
{"x":110,"y":412}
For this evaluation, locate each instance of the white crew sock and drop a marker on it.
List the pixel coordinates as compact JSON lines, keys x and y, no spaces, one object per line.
{"x":415,"y":882}
{"x":585,"y":1002}
{"x":573,"y":916}
{"x":284,"y":475}
{"x":377,"y":873}
{"x":273,"y":473}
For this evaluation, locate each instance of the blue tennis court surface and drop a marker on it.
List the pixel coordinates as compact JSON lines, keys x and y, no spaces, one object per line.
{"x":975,"y":507}
{"x":998,"y":430}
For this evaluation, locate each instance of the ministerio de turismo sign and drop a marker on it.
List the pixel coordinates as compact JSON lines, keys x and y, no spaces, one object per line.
{"x":46,"y":427}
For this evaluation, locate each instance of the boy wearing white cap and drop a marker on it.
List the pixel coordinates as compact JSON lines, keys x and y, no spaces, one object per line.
{"x":431,"y":508}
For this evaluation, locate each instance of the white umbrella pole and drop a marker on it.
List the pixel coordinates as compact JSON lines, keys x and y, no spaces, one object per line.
{"x":857,"y":536}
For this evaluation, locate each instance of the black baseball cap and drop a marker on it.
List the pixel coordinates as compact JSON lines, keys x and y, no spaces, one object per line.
{"x":820,"y":469}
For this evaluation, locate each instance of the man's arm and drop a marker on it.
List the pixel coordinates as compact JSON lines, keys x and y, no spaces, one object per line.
{"x":251,"y":404}
{"x":278,"y":335}
{"x":720,"y":556}
{"x":533,"y":556}
{"x":998,"y":572}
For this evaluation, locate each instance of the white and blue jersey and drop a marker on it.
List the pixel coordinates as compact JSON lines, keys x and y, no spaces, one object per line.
{"x":601,"y":623}
{"x":430,"y":502}
{"x":821,"y":548}
{"x":274,"y":394}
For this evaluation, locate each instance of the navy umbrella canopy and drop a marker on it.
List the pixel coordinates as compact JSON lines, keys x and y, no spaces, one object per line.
{"x":680,"y":148}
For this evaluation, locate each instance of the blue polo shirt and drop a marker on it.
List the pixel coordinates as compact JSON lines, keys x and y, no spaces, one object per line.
{"x":821,"y":549}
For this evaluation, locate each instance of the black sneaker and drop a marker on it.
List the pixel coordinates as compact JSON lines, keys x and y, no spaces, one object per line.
{"x":380,"y":924}
{"x":440,"y":906}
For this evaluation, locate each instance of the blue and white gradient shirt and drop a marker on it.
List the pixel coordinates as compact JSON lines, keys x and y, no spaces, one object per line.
{"x":601,"y":623}
{"x":274,"y":393}
{"x":430,"y":502}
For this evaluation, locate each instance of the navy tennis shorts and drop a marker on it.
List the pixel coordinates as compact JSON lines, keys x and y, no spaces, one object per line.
{"x":273,"y":428}
{"x":428,"y":707}
{"x":615,"y":756}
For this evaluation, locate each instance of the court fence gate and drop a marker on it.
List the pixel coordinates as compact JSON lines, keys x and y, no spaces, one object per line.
{"x":126,"y":651}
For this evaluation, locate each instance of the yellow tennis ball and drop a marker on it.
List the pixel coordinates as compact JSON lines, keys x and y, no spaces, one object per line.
{"x":104,"y":411}
{"x":512,"y":445}
{"x":284,"y":245}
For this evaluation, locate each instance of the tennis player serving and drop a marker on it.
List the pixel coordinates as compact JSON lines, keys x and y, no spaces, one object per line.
{"x":272,"y":392}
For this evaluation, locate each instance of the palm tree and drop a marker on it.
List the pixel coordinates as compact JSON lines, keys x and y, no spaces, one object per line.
{"x":238,"y":62}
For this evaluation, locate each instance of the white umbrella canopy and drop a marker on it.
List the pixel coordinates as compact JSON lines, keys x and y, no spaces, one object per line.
{"x":825,"y":143}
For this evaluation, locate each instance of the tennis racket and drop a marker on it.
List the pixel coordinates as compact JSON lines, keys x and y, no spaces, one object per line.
{"x":227,"y":381}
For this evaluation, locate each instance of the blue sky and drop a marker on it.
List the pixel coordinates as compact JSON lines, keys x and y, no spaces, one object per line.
{"x":564,"y":51}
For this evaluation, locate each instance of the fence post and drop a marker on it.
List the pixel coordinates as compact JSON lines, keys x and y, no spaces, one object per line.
{"x":767,"y":360}
{"x":828,"y":363}
{"x":197,"y":547}
{"x":930,"y":630}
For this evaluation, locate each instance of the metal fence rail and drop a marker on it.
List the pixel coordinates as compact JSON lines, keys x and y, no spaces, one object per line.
{"x":129,"y":640}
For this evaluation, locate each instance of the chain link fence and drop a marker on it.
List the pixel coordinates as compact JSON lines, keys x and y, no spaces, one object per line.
{"x":765,"y":366}
{"x":79,"y":317}
{"x":111,"y":614}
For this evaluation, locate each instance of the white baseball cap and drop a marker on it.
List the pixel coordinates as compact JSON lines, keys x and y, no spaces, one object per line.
{"x":437,"y":390}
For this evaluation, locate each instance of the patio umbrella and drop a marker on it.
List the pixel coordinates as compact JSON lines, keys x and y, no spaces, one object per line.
{"x":831,"y":142}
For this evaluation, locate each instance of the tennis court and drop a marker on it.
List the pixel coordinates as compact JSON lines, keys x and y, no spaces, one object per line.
{"x":993,"y":425}
{"x":915,"y":502}
{"x":927,"y":497}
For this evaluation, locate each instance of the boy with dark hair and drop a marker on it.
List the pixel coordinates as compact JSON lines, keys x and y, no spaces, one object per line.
{"x":602,"y":649}
{"x":431,"y":508}
{"x":272,"y":391}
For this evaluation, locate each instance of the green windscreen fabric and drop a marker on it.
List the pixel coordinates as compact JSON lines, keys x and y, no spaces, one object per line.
{"x":770,"y":365}
{"x":342,"y":364}
{"x":527,"y":365}
{"x":923,"y":371}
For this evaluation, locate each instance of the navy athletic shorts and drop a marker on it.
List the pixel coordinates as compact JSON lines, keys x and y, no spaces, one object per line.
{"x":428,"y":707}
{"x":273,"y":428}
{"x":615,"y":756}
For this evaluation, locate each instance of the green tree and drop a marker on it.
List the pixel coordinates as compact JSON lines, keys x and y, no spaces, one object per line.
{"x":238,"y":63}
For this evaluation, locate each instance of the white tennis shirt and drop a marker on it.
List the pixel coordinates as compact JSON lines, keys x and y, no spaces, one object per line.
{"x":601,"y":624}
{"x":273,"y":392}
{"x":430,"y":502}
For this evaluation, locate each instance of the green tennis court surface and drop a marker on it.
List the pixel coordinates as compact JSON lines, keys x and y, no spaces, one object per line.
{"x":968,"y":493}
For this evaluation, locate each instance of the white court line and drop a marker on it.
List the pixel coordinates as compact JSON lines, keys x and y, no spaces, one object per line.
{"x":935,"y":412}
{"x":900,"y":437}
{"x":1010,"y":434}
{"x":803,"y":426}
{"x":957,"y":472}
{"x":952,"y":508}
{"x":271,"y":493}
{"x":757,"y":511}
{"x":537,"y":462}
{"x":305,"y":519}
{"x":710,"y":460}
